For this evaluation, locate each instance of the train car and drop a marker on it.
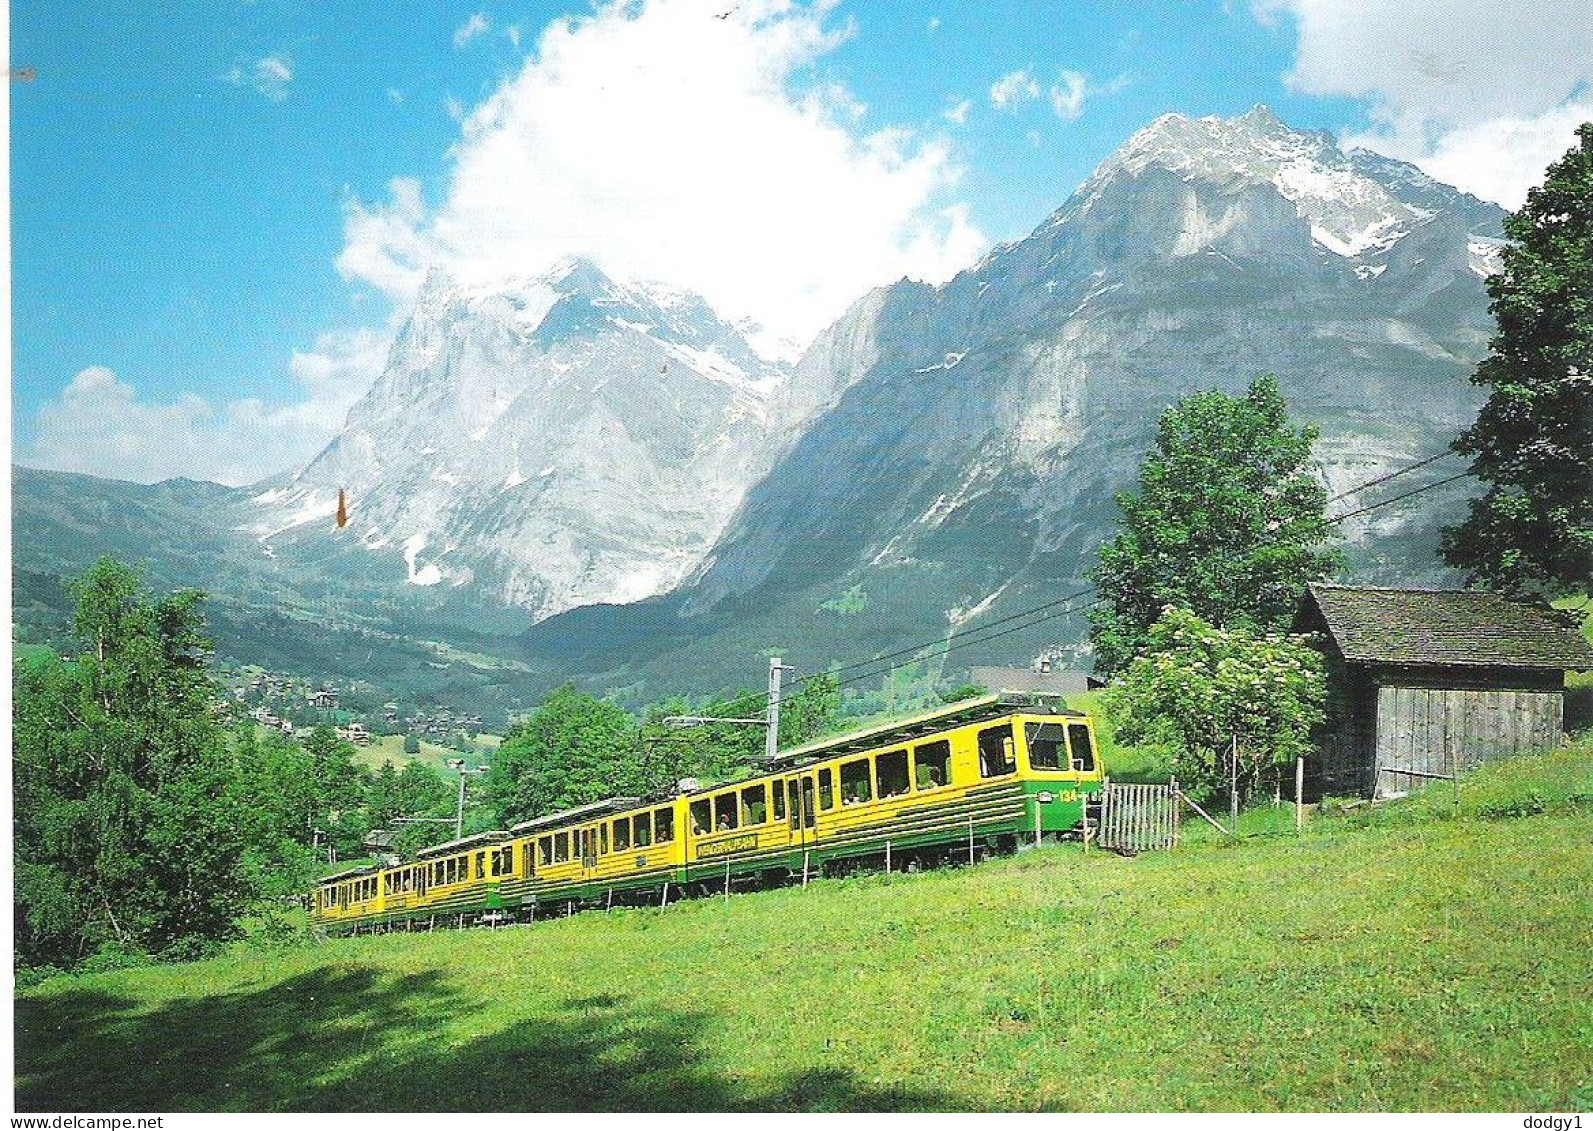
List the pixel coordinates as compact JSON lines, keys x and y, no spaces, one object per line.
{"x":951,"y":784}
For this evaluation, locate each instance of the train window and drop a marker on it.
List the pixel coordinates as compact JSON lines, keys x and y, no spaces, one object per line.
{"x":856,"y":783}
{"x":995,"y":751}
{"x":725,"y":816}
{"x":505,"y":862}
{"x":602,"y":839}
{"x":754,"y":805}
{"x":932,"y":764}
{"x":1045,"y":745}
{"x":663,"y":825}
{"x":561,"y":847}
{"x":644,"y":830}
{"x":891,"y":770}
{"x":481,"y":865}
{"x":545,"y":851}
{"x":702,"y":820}
{"x":1083,"y":748}
{"x":779,"y":802}
{"x":826,"y":789}
{"x":622,"y":834}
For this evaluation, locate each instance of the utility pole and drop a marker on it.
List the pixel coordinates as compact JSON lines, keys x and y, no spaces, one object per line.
{"x":770,"y":721}
{"x":771,"y":742}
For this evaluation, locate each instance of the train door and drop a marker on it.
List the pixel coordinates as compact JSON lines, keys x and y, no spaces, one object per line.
{"x":800,"y":804}
{"x":588,"y":844}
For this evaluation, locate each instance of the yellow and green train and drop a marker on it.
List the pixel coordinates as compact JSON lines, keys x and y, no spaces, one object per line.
{"x":952,"y":784}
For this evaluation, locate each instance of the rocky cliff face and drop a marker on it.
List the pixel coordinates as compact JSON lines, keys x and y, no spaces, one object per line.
{"x":971,"y":462}
{"x":545,"y":444}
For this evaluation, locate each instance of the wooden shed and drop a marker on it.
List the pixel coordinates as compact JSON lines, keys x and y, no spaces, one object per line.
{"x":1426,"y":682}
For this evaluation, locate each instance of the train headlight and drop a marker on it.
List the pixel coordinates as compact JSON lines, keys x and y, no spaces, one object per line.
{"x":1045,"y":797}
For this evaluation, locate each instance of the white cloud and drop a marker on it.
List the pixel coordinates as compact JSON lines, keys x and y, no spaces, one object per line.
{"x":934,"y":23}
{"x":665,"y":143}
{"x":1067,"y":97}
{"x":395,"y":96}
{"x":269,"y":76}
{"x":1011,"y":90}
{"x":474,"y":26}
{"x":1481,"y":95}
{"x":958,"y":113}
{"x":513,"y":34}
{"x":100,"y":426}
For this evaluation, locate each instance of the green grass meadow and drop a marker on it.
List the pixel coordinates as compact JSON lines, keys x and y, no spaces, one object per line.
{"x":1407,"y":959}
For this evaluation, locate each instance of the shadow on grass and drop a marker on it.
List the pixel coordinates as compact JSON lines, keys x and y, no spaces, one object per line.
{"x":351,"y":1039}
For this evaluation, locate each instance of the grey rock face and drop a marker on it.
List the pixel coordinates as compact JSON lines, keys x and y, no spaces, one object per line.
{"x":974,"y":454}
{"x":546,"y":444}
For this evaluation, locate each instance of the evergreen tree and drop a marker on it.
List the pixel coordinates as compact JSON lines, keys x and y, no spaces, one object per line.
{"x":1228,"y":521}
{"x":1532,"y":530}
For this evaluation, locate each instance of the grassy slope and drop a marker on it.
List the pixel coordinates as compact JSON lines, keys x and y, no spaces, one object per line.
{"x":390,"y":748}
{"x":1373,"y":964}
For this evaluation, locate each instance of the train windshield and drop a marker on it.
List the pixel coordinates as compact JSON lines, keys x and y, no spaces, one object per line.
{"x":1047,"y":748}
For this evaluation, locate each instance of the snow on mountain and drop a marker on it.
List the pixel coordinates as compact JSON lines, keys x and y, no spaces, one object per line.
{"x":647,"y":415}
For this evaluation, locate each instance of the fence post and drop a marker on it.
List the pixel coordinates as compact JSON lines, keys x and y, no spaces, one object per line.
{"x":1299,"y":793}
{"x":970,"y":839}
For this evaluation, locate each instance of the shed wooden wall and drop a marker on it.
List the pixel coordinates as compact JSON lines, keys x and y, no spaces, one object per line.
{"x":1417,"y":727}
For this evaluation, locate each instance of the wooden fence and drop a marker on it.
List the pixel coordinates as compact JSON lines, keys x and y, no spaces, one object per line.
{"x":1138,"y":818}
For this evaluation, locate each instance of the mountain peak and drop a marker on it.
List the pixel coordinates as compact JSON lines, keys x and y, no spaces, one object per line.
{"x":1350,"y":213}
{"x":1261,"y":119}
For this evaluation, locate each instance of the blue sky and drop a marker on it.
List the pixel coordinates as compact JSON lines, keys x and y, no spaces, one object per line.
{"x":220,"y":213}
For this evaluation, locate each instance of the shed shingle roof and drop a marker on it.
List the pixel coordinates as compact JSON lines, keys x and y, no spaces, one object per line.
{"x":1422,"y":626}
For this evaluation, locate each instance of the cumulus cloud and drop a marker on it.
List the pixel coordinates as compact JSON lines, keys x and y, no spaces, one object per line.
{"x":1010,"y":91}
{"x":958,"y":114}
{"x":269,"y":76}
{"x":100,"y":425}
{"x":477,"y":24}
{"x":1481,"y":95}
{"x":666,"y":143}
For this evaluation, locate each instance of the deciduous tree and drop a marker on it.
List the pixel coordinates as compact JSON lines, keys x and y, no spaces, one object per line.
{"x":1228,"y":521}
{"x":1198,"y":690}
{"x":1532,"y":529}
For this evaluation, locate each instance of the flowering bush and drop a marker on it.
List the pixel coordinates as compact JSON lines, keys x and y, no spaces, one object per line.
{"x":1193,"y":689}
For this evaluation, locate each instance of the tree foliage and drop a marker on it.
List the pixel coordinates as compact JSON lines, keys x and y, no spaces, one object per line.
{"x":130,"y":826}
{"x":572,"y":750}
{"x":1228,"y":521}
{"x":1532,"y":443}
{"x":1196,"y":689}
{"x":720,"y":751}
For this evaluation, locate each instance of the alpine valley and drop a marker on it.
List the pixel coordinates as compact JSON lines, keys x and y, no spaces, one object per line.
{"x":570,"y":477}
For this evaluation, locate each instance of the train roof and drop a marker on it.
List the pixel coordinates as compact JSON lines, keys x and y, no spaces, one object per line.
{"x":362,"y":870}
{"x":478,"y":840}
{"x":579,"y":813}
{"x":915,"y":726}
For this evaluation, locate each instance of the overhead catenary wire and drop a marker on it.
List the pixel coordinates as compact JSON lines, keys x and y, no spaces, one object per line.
{"x":1406,"y":470}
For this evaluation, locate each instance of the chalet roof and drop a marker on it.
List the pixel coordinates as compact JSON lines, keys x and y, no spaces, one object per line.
{"x":1445,"y":627}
